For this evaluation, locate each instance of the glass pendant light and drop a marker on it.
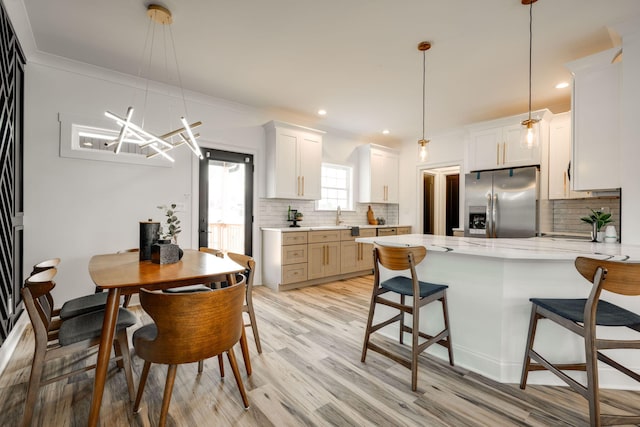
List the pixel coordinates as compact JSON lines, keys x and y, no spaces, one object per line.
{"x":529,"y":139}
{"x":422,"y":143}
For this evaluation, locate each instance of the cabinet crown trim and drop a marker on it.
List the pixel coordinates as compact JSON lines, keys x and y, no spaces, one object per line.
{"x":273,"y":124}
{"x":378,"y":147}
{"x":543,"y":114}
{"x":600,"y":59}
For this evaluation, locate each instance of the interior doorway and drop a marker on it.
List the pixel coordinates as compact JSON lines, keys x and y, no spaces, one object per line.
{"x":441,"y":200}
{"x":226,"y":201}
{"x":428,"y":208}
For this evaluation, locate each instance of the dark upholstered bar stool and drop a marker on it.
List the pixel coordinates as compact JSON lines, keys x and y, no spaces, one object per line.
{"x":403,"y":259}
{"x":582,"y":316}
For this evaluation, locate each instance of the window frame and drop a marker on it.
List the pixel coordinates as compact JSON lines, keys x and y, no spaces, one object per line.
{"x":349,"y":187}
{"x":72,"y":125}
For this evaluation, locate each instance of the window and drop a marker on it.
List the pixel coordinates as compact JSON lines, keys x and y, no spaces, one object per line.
{"x":88,"y":138}
{"x":336,"y":188}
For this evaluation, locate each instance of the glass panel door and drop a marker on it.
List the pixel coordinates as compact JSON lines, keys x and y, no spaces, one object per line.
{"x":226,"y":201}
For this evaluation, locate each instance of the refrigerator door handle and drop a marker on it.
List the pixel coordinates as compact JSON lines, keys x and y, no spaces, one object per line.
{"x":488,"y":221}
{"x":494,"y":216}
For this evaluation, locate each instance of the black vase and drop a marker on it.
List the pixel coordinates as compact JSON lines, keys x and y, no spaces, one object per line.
{"x":148,"y":236}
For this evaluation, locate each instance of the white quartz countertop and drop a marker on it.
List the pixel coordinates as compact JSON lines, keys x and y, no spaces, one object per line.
{"x":534,"y":248}
{"x":328,"y":227}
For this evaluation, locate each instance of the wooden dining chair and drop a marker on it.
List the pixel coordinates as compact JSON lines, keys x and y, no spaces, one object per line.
{"x":250,"y":266}
{"x":582,"y":316}
{"x":61,"y":338}
{"x":75,"y":306}
{"x":189,"y":327}
{"x":217,"y":284}
{"x":422,"y":293}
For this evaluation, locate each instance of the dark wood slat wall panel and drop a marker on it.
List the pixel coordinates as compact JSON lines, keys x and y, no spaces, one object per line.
{"x":11,"y":179}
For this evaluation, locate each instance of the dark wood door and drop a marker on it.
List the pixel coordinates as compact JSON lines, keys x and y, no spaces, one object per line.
{"x":452,"y":212}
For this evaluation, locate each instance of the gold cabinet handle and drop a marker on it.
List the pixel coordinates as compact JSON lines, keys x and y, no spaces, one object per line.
{"x":298,"y":187}
{"x":504,"y":152}
{"x":302,"y":185}
{"x":497,"y":154}
{"x":564,"y":183}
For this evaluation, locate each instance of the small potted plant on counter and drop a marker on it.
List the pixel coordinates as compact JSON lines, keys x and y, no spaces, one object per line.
{"x":597,"y":219}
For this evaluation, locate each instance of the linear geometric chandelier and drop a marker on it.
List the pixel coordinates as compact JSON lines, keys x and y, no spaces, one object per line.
{"x":131,"y":133}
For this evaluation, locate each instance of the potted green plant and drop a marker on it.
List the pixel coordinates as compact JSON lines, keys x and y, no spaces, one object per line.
{"x":172,"y":229}
{"x":597,"y":219}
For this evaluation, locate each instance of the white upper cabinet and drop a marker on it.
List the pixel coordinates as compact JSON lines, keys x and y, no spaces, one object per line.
{"x":379,"y":174}
{"x":293,"y":161}
{"x":496,"y":144}
{"x":596,"y":121}
{"x":560,"y":167}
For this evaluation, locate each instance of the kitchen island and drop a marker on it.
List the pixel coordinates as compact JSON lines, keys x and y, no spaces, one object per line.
{"x":490,"y":282}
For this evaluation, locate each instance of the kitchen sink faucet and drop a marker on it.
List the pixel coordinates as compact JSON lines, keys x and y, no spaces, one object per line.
{"x":339,"y":216}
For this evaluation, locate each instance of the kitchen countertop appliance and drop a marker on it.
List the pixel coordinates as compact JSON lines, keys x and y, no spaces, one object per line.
{"x":502,"y":203}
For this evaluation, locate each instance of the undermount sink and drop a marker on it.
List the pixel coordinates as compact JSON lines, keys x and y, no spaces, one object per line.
{"x":330,"y":227}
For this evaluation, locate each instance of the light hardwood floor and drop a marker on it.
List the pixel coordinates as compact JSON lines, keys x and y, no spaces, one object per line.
{"x":308,"y":374}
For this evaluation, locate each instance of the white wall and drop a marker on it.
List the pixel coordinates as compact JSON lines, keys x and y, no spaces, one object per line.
{"x":76,"y":208}
{"x":446,"y":149}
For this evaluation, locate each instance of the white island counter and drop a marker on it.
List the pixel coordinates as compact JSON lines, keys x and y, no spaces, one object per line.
{"x":490,"y":283}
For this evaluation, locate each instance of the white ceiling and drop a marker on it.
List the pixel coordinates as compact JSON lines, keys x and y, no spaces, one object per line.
{"x":358,"y":59}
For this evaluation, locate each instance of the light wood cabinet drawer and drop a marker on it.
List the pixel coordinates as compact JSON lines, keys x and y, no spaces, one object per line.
{"x":387,"y":231}
{"x":403,"y":230}
{"x":294,"y":254}
{"x":321,"y":236}
{"x":345,"y":235}
{"x":294,"y":238}
{"x":294,"y":273}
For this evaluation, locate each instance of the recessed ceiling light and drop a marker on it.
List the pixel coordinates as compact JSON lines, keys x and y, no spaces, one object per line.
{"x":322,"y":112}
{"x":562,"y":85}
{"x":385,"y":132}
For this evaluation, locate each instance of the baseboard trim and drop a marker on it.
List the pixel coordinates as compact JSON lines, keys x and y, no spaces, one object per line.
{"x":11,"y":343}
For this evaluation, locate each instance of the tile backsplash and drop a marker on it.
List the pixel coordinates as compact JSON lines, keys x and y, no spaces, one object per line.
{"x":273,"y":213}
{"x":567,"y":213}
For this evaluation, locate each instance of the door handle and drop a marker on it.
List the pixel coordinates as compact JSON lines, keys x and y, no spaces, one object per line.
{"x":302,"y":186}
{"x":497,"y":154}
{"x":495,"y":215}
{"x":504,"y":152}
{"x":487,"y":216}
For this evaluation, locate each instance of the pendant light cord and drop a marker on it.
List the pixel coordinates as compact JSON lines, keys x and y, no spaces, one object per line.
{"x":530,"y":50}
{"x":424,"y":66}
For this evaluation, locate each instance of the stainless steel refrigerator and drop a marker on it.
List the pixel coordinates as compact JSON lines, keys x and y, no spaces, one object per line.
{"x":502,"y":203}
